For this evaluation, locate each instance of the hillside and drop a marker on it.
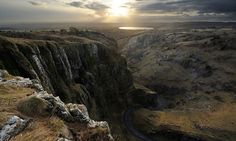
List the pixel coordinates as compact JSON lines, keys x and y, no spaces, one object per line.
{"x":193,"y":70}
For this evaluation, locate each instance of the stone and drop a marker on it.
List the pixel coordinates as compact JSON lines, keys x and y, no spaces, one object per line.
{"x":3,"y":74}
{"x":77,"y":113}
{"x":12,"y":127}
{"x":37,"y":85}
{"x":56,"y":106}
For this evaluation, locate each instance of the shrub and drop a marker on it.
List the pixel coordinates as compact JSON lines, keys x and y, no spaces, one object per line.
{"x":32,"y":106}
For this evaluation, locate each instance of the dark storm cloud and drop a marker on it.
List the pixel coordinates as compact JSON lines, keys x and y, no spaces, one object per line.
{"x":202,"y":6}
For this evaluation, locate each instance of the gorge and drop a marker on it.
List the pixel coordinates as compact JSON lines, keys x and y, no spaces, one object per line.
{"x":174,"y":84}
{"x":78,"y":66}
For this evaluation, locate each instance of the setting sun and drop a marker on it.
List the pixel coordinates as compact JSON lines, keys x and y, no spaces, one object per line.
{"x":118,"y":9}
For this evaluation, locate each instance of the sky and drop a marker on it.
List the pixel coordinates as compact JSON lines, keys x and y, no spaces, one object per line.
{"x":116,"y":11}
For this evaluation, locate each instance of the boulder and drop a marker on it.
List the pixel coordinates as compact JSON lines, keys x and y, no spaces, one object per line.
{"x":12,"y":127}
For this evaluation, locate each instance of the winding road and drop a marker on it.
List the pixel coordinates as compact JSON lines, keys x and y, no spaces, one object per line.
{"x":128,"y":124}
{"x":127,"y":121}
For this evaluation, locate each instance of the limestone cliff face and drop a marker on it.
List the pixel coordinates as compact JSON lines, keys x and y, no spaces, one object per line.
{"x":77,"y":68}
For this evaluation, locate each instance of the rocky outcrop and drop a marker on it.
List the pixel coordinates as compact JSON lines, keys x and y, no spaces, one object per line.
{"x":72,"y":113}
{"x":19,"y":81}
{"x":12,"y":127}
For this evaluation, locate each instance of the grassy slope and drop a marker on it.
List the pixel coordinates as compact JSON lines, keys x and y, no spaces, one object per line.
{"x":38,"y":129}
{"x":210,"y":119}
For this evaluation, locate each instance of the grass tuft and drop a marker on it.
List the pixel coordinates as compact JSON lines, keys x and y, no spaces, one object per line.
{"x":56,"y":124}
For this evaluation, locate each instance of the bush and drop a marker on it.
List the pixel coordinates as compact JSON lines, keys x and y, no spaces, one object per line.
{"x":32,"y":106}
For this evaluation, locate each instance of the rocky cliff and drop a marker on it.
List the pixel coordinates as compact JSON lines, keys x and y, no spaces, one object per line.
{"x":78,"y":66}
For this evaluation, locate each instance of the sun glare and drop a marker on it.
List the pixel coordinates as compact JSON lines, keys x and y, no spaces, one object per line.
{"x":118,"y":9}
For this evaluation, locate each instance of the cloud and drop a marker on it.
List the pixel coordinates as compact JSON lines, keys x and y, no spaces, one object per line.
{"x":96,"y":6}
{"x":141,"y":10}
{"x":179,"y":6}
{"x":77,"y":4}
{"x":99,"y":8}
{"x":36,"y":3}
